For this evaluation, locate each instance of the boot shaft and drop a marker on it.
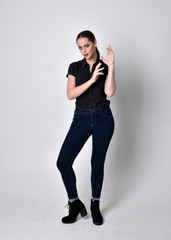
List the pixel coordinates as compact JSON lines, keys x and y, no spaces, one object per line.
{"x":95,"y":212}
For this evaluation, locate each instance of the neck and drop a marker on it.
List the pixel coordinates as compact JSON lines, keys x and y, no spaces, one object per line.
{"x":92,"y":60}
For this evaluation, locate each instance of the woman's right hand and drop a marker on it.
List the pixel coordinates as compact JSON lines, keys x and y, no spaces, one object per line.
{"x":97,"y":72}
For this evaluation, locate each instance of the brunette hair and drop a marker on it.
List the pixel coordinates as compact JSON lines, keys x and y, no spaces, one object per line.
{"x":88,"y":34}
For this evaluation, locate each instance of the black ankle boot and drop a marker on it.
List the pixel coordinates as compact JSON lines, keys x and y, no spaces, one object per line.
{"x":95,"y":212}
{"x":75,"y":208}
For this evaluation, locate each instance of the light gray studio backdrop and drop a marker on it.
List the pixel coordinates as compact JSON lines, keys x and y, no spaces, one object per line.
{"x":37,"y":44}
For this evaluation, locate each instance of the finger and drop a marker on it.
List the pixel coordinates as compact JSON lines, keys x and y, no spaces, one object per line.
{"x":98,"y":65}
{"x":108,"y":50}
{"x":100,"y":69}
{"x":111,"y":49}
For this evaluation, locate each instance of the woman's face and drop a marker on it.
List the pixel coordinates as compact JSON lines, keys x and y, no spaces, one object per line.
{"x":86,"y":47}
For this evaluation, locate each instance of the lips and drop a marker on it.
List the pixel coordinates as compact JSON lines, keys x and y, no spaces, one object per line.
{"x":85,"y":55}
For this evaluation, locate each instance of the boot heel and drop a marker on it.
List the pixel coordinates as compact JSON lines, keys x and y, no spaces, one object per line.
{"x":83,"y":212}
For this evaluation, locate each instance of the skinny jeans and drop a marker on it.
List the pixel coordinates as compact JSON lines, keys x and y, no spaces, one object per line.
{"x":98,"y":123}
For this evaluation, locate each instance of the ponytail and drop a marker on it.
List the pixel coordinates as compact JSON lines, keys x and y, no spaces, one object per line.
{"x":97,"y":51}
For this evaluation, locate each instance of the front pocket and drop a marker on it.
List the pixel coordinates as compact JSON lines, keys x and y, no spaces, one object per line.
{"x":77,"y":114}
{"x":107,"y":113}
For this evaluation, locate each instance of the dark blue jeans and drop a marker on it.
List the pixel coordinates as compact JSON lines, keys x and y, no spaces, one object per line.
{"x":86,"y":122}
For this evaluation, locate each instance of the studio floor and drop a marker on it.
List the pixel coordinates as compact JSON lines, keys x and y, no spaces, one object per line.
{"x":34,"y":221}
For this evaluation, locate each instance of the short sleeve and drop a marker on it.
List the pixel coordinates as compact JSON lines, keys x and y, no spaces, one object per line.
{"x":106,"y":69}
{"x":71,"y":70}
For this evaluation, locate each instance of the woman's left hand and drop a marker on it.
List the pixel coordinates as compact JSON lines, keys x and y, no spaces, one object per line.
{"x":109,"y":57}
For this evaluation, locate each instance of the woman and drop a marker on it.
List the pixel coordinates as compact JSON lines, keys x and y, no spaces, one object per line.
{"x":90,"y":81}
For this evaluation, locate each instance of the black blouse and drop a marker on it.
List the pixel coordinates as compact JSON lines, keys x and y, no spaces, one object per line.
{"x":94,"y":96}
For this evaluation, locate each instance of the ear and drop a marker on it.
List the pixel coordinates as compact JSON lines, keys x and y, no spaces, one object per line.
{"x":95,"y":42}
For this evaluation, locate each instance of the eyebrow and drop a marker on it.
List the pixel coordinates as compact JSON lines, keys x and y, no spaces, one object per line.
{"x":84,"y":44}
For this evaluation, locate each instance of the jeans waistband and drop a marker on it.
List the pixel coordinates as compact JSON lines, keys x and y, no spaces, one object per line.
{"x":92,"y":109}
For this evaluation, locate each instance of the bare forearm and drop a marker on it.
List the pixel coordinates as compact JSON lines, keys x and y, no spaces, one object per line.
{"x":110,"y":85}
{"x":77,"y":91}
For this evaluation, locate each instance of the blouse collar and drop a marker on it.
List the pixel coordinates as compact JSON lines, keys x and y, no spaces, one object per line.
{"x":85,"y":62}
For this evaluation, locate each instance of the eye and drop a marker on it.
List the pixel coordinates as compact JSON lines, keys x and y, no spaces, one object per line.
{"x":87,"y":45}
{"x":80,"y":48}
